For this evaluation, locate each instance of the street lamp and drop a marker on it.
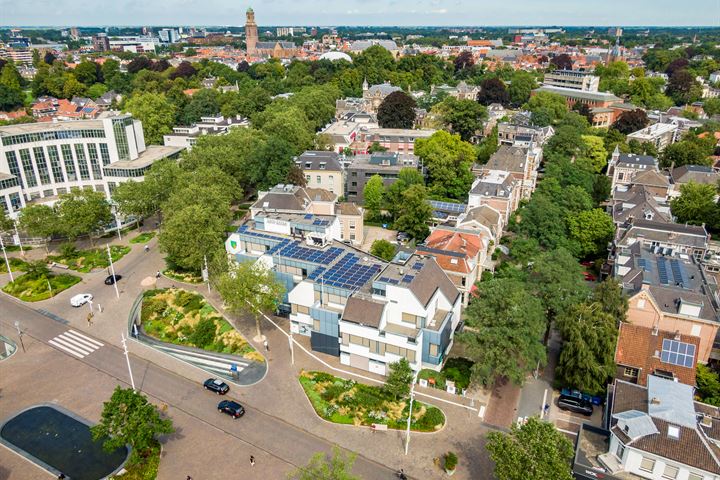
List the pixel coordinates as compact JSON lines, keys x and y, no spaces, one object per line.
{"x":412,"y":397}
{"x":127,"y":358}
{"x":20,"y":335}
{"x":112,"y":270}
{"x":7,"y":262}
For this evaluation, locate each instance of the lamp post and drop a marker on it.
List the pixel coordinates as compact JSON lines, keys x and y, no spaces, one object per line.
{"x":112,"y":271}
{"x":17,"y":236}
{"x":412,"y":397}
{"x":7,"y":262}
{"x":20,"y":335}
{"x":127,"y":359}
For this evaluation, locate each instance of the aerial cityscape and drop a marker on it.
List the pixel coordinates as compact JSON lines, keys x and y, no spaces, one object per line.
{"x":359,"y":241}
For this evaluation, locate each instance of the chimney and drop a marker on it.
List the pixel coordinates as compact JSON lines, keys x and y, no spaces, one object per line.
{"x":654,"y":401}
{"x":677,"y":335}
{"x":655,"y":330}
{"x":706,"y":420}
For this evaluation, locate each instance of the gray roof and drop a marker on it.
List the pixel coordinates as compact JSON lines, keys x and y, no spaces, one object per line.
{"x":291,"y":198}
{"x":694,"y":173}
{"x":571,"y":92}
{"x":674,"y":233}
{"x":487,"y":186}
{"x":484,"y":215}
{"x":635,"y":424}
{"x":319,"y":160}
{"x":383,"y":89}
{"x":360,"y":45}
{"x":630,"y":160}
{"x":637,"y":203}
{"x":271,"y":45}
{"x":508,"y":159}
{"x":671,"y":401}
{"x":363,"y":311}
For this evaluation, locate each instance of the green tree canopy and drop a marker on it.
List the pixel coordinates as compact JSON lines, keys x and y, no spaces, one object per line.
{"x":592,"y":230}
{"x":415,"y":212}
{"x":39,"y":220}
{"x":463,"y":117}
{"x":397,"y":383}
{"x":383,"y":249}
{"x":696,"y":204}
{"x":320,"y":467}
{"x":82,"y":212}
{"x":397,"y":110}
{"x":448,"y":161}
{"x":155,"y":112}
{"x":373,"y":194}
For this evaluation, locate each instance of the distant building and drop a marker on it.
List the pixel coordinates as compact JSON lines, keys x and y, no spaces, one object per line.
{"x":523,"y":135}
{"x":360,"y":45}
{"x":462,"y":91}
{"x":521,"y":162}
{"x":187,"y":136}
{"x":364,"y":167}
{"x":251,"y":33}
{"x":624,"y":167}
{"x":395,"y":140}
{"x":101,"y":42}
{"x":659,"y":134}
{"x":374,"y":95}
{"x":169,"y":35}
{"x":322,"y":169}
{"x":497,"y":189}
{"x":572,"y":79}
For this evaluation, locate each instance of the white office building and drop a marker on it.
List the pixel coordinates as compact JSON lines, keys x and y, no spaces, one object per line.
{"x":39,"y":161}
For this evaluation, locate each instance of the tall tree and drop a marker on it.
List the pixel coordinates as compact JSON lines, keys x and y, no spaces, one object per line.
{"x":39,"y":221}
{"x":708,"y":385}
{"x":463,"y":117}
{"x":448,"y":161}
{"x":415,"y":213}
{"x":587,"y":359}
{"x":397,"y":110}
{"x":562,"y":62}
{"x":337,"y":467}
{"x":82,"y":212}
{"x":592,"y":230}
{"x":383,"y":249}
{"x":155,"y":112}
{"x":696,"y":204}
{"x":129,"y":419}
{"x":247,"y":288}
{"x":534,"y":450}
{"x":397,"y":383}
{"x":631,"y":121}
{"x":609,"y":294}
{"x":556,"y":279}
{"x":464,"y":60}
{"x":184,"y":70}
{"x":521,"y":86}
{"x":683,"y":88}
{"x":507,"y":325}
{"x":493,"y":90}
{"x":373,"y":194}
{"x":546,"y":108}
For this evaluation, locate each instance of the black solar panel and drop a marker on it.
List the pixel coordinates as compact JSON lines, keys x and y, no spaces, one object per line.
{"x":677,"y":271}
{"x":408,"y":278}
{"x":662,"y":271}
{"x":417,"y":266}
{"x":677,"y":353}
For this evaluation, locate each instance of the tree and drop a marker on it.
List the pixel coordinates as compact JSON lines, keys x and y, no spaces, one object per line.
{"x":296,"y":176}
{"x":464,"y":60}
{"x":507,"y":328}
{"x":686,"y":152}
{"x":155,"y":112}
{"x":592,"y":230}
{"x":711,"y":106}
{"x":397,"y":110}
{"x":10,"y":77}
{"x":383,"y":249}
{"x":534,"y":450}
{"x":184,"y":70}
{"x":82,"y":212}
{"x":463,"y":117}
{"x":609,"y":295}
{"x":675,"y":65}
{"x":696,"y":204}
{"x":562,"y":62}
{"x":10,"y":98}
{"x":683,"y":88}
{"x":398,"y":381}
{"x":49,"y":58}
{"x":587,"y":359}
{"x":247,"y":288}
{"x":96,"y":91}
{"x":373,"y":194}
{"x":708,"y":385}
{"x":202,"y":104}
{"x":631,"y":121}
{"x":133,"y":198}
{"x":338,"y":467}
{"x":39,"y":220}
{"x":129,"y":419}
{"x":556,"y":279}
{"x":521,"y":86}
{"x":394,"y":192}
{"x":584,"y":110}
{"x":546,"y":108}
{"x":6,"y":223}
{"x":72,"y":87}
{"x":415,"y":213}
{"x":87,"y":72}
{"x":448,"y":161}
{"x":139,"y":63}
{"x":594,"y":149}
{"x":493,"y":90}
{"x":375,"y":147}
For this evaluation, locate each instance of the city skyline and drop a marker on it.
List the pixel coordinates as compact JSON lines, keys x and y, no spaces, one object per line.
{"x":354,"y":13}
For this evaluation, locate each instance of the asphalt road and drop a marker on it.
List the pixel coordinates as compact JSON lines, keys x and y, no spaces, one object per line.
{"x":257,"y":430}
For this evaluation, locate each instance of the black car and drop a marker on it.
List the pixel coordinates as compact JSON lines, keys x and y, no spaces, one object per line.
{"x":216,"y":385}
{"x":233,"y":409}
{"x":575,"y":404}
{"x":110,"y":279}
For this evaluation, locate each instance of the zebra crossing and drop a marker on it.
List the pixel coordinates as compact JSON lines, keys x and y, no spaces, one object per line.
{"x":75,"y":343}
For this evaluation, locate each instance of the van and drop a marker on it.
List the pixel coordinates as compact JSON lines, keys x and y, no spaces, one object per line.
{"x":575,"y":404}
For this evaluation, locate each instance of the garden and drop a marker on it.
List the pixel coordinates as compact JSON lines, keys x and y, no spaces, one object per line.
{"x":16,"y":264}
{"x":456,"y":369}
{"x":38,"y":283}
{"x":86,"y":260}
{"x":184,"y":276}
{"x":143,"y":237}
{"x":182,"y":317}
{"x":348,"y":402}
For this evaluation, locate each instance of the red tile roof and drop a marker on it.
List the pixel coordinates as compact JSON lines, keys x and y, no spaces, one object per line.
{"x":467,"y":244}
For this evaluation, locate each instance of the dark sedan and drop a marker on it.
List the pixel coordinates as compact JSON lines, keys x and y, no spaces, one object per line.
{"x":111,"y":279}
{"x":216,"y":385}
{"x":575,"y":405}
{"x":233,"y":409}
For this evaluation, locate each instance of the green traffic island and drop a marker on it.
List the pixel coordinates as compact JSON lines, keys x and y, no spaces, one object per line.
{"x":143,"y":466}
{"x":16,"y":265}
{"x":184,"y":276}
{"x":85,"y":261}
{"x":456,"y":369}
{"x":348,"y":402}
{"x":143,"y":237}
{"x":185,"y":318}
{"x":39,"y":283}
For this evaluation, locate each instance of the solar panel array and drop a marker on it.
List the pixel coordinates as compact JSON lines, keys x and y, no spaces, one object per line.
{"x":296,"y":251}
{"x":677,"y":271}
{"x":417,"y":266}
{"x":308,"y":216}
{"x":662,"y":271}
{"x":348,"y":274}
{"x":244,"y":230}
{"x":316,"y":273}
{"x":644,"y":264}
{"x":448,"y":206}
{"x":408,"y":278}
{"x":321,"y":222}
{"x":677,"y":353}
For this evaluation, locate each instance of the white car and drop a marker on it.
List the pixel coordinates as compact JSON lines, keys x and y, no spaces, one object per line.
{"x":80,"y":299}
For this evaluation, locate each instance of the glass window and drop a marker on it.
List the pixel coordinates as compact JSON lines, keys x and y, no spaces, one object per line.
{"x":620,"y":451}
{"x":92,"y":151}
{"x":82,"y":161}
{"x":631,"y":372}
{"x":434,"y":350}
{"x":695,"y":476}
{"x":647,"y":464}
{"x":121,"y":139}
{"x":28,"y":168}
{"x":69,"y":162}
{"x":670,"y":472}
{"x":104,"y":153}
{"x":15,"y":201}
{"x":55,"y":164}
{"x":42,"y":165}
{"x":13,"y":164}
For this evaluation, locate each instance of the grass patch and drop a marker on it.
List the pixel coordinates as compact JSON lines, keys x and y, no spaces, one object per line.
{"x":31,"y":288}
{"x":143,"y":237}
{"x":142,"y":468}
{"x":16,"y":264}
{"x":182,"y":276}
{"x":182,"y":317}
{"x":348,"y":402}
{"x":16,"y":248}
{"x":456,"y":369}
{"x":86,"y":260}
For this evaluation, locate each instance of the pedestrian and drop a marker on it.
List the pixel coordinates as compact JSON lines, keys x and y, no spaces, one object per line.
{"x":89,"y":319}
{"x":188,"y":477}
{"x":252,"y":461}
{"x":147,"y":248}
{"x":61,"y":476}
{"x":157,"y":275}
{"x":547,"y":408}
{"x":267,"y":347}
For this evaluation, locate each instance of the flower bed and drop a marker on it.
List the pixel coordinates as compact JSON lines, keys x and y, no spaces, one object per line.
{"x":348,"y":402}
{"x":456,"y":369}
{"x":143,"y":237}
{"x":31,"y":288}
{"x":182,"y":317}
{"x":182,"y":276}
{"x":86,"y":260}
{"x":16,"y":264}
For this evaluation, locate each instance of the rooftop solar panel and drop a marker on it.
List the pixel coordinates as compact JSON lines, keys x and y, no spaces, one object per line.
{"x":408,"y":278}
{"x":677,"y":353}
{"x":308,"y":216}
{"x":662,"y":271}
{"x":417,"y":266}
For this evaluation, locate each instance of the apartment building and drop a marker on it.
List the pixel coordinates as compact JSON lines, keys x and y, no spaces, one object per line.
{"x":572,"y":79}
{"x":365,"y":311}
{"x":364,"y":167}
{"x":659,"y":134}
{"x":523,"y":135}
{"x":497,"y":189}
{"x":521,"y":162}
{"x":39,"y":161}
{"x":322,"y":169}
{"x":624,"y":167}
{"x":395,"y":140}
{"x":187,"y":136}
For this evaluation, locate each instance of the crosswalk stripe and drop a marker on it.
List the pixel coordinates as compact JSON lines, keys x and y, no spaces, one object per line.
{"x":65,"y":349}
{"x":79,"y":341}
{"x":75,"y":344}
{"x":86,"y":338}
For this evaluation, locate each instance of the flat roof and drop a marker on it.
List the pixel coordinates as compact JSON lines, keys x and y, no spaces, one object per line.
{"x":152,"y":154}
{"x":51,"y":126}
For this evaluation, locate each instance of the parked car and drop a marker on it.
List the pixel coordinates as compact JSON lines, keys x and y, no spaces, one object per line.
{"x":576,"y":405}
{"x":233,"y":409}
{"x":80,"y":299}
{"x":216,"y":385}
{"x":110,"y":279}
{"x":589,"y":277}
{"x":402,"y":237}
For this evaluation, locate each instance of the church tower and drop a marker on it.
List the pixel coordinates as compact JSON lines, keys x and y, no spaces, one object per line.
{"x":251,"y":32}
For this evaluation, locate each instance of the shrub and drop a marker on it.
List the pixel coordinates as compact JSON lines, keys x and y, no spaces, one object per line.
{"x":451,"y":461}
{"x":204,"y":333}
{"x":432,"y":418}
{"x":68,"y":250}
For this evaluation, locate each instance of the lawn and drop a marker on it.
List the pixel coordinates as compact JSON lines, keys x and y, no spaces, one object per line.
{"x":143,"y":237}
{"x":348,"y":402}
{"x":456,"y":369}
{"x":86,"y":260}
{"x":33,"y":288}
{"x":182,"y":317}
{"x":182,"y":276}
{"x":16,"y":264}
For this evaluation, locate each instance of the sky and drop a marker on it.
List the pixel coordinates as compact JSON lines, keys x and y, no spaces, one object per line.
{"x":360,"y":12}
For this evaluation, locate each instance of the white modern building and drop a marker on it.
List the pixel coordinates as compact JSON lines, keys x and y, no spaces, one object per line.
{"x":39,"y":161}
{"x":187,"y":137}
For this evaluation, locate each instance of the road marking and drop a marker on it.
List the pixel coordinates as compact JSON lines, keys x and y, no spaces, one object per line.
{"x":75,"y":343}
